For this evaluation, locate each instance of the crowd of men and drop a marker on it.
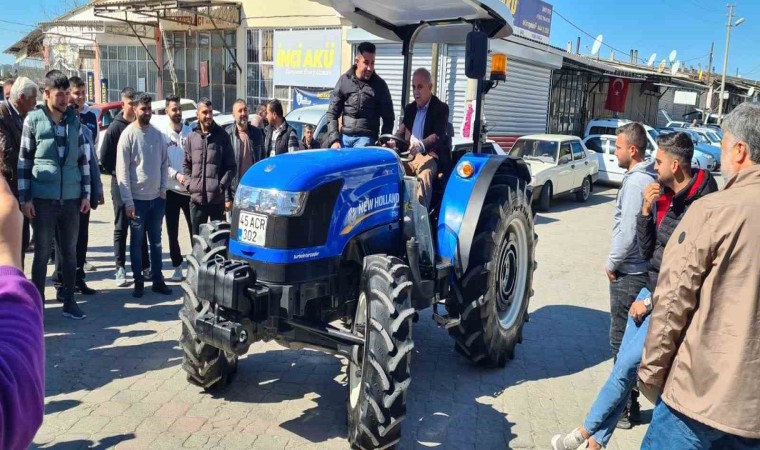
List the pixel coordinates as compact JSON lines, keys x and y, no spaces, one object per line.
{"x":163,"y":170}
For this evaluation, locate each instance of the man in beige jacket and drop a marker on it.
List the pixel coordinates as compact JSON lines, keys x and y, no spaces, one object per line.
{"x":702,"y":353}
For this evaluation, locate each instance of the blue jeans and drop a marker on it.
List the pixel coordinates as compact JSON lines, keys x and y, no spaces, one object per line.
{"x":149,"y":217}
{"x":356,"y":141}
{"x":671,"y":429}
{"x":611,"y":401}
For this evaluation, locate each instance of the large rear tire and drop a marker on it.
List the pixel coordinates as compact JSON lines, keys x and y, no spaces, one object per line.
{"x":206,"y":366}
{"x":379,"y":379}
{"x":493,"y":294}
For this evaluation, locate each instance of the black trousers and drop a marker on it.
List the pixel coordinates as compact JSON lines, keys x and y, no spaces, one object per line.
{"x":200,"y":214}
{"x":120,"y":230}
{"x":82,"y":241}
{"x":176,"y":203}
{"x":26,"y":237}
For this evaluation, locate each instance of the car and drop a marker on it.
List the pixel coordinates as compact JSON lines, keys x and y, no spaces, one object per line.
{"x":709,"y":134}
{"x":315,"y":115}
{"x":187,"y":106}
{"x":559,"y":164}
{"x":611,"y":172}
{"x":334,"y":250}
{"x":105,"y":113}
{"x":610,"y":126}
{"x":705,"y":156}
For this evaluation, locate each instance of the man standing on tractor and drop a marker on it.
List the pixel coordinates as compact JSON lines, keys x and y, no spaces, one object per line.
{"x":361,"y":98}
{"x":425,"y":122}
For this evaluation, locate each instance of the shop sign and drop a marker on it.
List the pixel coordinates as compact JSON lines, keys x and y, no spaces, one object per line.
{"x":104,"y":90}
{"x":204,"y":74}
{"x":303,"y":98}
{"x":90,"y":77}
{"x":307,"y":57}
{"x":533,"y":19}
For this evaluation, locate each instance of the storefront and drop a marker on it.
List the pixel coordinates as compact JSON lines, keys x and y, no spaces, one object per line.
{"x":294,"y":50}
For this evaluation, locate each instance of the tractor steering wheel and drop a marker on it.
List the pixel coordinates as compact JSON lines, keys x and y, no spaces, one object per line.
{"x":402,"y":147}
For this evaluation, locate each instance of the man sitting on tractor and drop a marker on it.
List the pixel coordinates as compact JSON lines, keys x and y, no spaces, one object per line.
{"x":425,"y":123}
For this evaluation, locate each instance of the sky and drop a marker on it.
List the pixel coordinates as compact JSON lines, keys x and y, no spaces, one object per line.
{"x":651,"y":26}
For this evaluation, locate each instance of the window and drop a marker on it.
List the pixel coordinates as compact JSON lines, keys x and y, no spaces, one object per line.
{"x":536,"y":150}
{"x":603,"y":130}
{"x":126,"y":66}
{"x":578,"y":152}
{"x":565,"y":153}
{"x":595,"y":144}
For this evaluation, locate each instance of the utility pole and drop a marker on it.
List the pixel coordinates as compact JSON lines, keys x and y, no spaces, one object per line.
{"x":725,"y":62}
{"x":709,"y":84}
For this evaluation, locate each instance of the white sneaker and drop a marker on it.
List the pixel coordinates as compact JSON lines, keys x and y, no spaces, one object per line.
{"x":121,"y":277}
{"x":570,"y":441}
{"x":177,"y":275}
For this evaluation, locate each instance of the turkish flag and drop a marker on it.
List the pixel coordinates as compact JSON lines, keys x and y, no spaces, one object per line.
{"x":616,"y":94}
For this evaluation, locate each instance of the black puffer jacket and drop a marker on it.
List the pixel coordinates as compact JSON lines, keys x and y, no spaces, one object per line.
{"x":655,"y":230}
{"x":209,"y":166}
{"x":362,"y":105}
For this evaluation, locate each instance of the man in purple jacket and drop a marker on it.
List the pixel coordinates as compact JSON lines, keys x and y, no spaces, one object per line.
{"x":22,"y":349}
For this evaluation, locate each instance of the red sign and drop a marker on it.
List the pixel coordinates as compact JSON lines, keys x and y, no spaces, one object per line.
{"x":616,"y":94}
{"x":204,"y":74}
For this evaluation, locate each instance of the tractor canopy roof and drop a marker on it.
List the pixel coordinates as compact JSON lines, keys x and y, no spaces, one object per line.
{"x":443,"y":21}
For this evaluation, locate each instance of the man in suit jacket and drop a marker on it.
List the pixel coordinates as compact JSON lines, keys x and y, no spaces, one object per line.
{"x":23,"y":98}
{"x":425,"y":126}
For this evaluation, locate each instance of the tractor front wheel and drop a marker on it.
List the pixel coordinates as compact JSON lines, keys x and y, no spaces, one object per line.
{"x":493,"y":294}
{"x":378,"y":373}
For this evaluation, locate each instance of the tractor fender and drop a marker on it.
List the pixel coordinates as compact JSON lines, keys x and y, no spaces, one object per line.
{"x":463,"y":201}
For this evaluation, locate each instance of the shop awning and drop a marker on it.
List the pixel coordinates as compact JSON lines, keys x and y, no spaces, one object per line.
{"x":213,"y":14}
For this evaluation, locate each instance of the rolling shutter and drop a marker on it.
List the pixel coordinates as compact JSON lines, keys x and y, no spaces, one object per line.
{"x":389,"y":64}
{"x":516,"y":107}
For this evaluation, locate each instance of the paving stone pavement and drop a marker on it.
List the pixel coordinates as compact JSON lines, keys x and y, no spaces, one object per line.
{"x":115,"y":378}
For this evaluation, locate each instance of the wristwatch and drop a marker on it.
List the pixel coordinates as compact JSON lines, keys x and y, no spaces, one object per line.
{"x":648,"y":303}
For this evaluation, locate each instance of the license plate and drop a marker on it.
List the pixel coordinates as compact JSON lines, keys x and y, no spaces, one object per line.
{"x":252,"y":229}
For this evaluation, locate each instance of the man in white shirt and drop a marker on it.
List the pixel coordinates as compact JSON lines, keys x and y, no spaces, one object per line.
{"x":177,"y":197}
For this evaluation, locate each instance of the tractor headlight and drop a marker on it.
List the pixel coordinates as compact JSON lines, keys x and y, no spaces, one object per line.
{"x":271,"y":201}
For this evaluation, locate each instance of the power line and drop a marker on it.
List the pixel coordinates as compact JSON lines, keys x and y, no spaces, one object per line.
{"x":18,"y":23}
{"x":589,"y":34}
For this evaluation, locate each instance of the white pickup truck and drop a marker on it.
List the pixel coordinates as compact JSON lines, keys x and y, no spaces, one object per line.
{"x":559,"y":164}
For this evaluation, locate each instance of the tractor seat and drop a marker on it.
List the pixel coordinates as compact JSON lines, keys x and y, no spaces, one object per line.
{"x":444,"y":171}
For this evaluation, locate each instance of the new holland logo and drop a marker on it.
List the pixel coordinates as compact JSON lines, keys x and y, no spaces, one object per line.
{"x":368,"y":207}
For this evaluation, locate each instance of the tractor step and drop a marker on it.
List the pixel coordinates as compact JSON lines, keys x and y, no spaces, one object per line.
{"x":445,"y":320}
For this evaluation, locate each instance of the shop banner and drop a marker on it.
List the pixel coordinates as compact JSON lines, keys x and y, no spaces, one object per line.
{"x":307,"y":58}
{"x":303,"y":98}
{"x":90,"y":85}
{"x":533,"y":19}
{"x":104,"y":90}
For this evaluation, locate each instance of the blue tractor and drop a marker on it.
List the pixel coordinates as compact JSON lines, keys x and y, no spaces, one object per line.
{"x":332,"y":250}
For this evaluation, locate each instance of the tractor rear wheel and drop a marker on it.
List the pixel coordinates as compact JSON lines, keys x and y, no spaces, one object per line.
{"x":378,"y":373}
{"x":493,"y":294}
{"x":206,"y":366}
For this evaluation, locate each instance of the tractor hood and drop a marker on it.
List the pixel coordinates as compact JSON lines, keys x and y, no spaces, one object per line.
{"x":444,"y":21}
{"x":303,"y":171}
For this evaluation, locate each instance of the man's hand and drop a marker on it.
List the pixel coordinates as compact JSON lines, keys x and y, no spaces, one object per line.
{"x":228,"y":205}
{"x":610,"y":275}
{"x":163,"y":195}
{"x":638,"y":311}
{"x":101,"y":200}
{"x":84,"y":207}
{"x":336,"y":145}
{"x":28,"y":210}
{"x":181,"y":178}
{"x":11,"y":223}
{"x":651,"y":194}
{"x":130,"y":212}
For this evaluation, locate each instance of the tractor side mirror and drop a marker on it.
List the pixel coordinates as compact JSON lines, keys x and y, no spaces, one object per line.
{"x":476,"y":55}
